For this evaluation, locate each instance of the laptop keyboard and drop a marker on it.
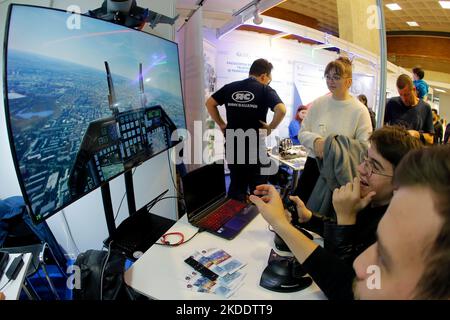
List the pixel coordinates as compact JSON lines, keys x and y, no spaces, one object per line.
{"x":218,"y":217}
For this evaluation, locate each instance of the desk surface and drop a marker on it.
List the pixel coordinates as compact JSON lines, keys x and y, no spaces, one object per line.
{"x":160,"y":271}
{"x":12,"y":289}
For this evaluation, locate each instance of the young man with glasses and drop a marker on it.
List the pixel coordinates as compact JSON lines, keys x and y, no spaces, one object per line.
{"x":359,"y":206}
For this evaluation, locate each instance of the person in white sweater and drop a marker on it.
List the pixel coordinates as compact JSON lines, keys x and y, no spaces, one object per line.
{"x":337,"y":113}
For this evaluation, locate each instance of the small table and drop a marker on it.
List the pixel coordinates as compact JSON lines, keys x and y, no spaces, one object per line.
{"x":296,"y":164}
{"x":159,"y":273}
{"x":13,"y":288}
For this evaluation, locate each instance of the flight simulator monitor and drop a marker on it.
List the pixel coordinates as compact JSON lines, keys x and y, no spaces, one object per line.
{"x":84,"y":102}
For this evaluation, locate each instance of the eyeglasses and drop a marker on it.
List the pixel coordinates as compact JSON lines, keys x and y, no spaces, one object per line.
{"x":369,"y":166}
{"x":270,"y":77}
{"x":335,"y":77}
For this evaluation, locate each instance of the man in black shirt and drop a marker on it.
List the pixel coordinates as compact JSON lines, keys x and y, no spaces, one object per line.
{"x":359,"y":207}
{"x":247,"y":103}
{"x":409,"y":111}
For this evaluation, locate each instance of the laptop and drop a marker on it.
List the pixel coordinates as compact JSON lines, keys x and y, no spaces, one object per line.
{"x":208,"y":206}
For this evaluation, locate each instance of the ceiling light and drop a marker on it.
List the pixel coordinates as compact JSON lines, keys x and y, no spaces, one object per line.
{"x":257,"y":18}
{"x":412,"y":23}
{"x":445,"y":4}
{"x":393,"y":6}
{"x":440,"y":90}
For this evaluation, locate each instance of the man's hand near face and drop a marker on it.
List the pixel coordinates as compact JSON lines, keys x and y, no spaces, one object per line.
{"x":347,"y":202}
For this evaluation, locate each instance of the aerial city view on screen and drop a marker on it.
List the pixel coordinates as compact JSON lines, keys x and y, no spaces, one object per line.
{"x":57,"y":87}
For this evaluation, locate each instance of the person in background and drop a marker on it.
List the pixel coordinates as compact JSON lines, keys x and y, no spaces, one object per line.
{"x":363,"y":100}
{"x":411,"y":256}
{"x":409,"y":111}
{"x":360,"y":205}
{"x":247,"y":103}
{"x":438,"y":129}
{"x":296,"y":124}
{"x":336,"y":114}
{"x":420,"y":84}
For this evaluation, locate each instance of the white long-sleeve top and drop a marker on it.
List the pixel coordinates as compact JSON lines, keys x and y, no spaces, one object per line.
{"x":328,"y":116}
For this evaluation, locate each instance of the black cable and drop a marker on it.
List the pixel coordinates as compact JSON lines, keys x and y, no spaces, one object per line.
{"x":70,"y":231}
{"x":5,"y":284}
{"x":171,"y":174}
{"x":153,"y":204}
{"x":120,"y":205}
{"x":121,"y":201}
{"x":179,"y":194}
{"x":103,"y":270}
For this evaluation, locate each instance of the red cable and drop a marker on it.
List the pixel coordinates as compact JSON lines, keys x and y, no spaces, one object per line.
{"x":166,"y":242}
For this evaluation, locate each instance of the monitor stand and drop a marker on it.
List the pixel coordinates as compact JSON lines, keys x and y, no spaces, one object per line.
{"x":107,"y":202}
{"x":140,"y":230}
{"x":129,"y":187}
{"x":107,"y":206}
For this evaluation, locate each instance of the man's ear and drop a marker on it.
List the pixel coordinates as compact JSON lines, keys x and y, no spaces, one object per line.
{"x":350,"y":82}
{"x":264,"y":77}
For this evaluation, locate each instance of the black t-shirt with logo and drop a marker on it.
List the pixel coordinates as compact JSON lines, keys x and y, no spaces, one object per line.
{"x":246,"y":102}
{"x":419,"y":117}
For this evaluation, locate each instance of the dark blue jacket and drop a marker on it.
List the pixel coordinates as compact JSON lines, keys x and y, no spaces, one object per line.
{"x":15,"y":206}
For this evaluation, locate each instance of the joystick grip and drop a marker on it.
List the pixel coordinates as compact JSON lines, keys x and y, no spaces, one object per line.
{"x":292,"y":208}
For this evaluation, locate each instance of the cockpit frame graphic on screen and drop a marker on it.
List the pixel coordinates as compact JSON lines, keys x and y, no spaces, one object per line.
{"x":84,"y":105}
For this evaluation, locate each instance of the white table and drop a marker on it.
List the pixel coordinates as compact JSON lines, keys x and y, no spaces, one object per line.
{"x":159,"y":273}
{"x":12,"y":289}
{"x":296,"y":164}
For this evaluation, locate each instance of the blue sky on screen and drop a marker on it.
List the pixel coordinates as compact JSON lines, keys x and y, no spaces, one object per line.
{"x":43,"y":31}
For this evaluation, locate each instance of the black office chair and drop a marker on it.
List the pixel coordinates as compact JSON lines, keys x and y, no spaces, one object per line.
{"x":42,"y":256}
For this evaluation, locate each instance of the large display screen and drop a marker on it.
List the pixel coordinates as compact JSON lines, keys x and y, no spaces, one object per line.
{"x":84,"y":102}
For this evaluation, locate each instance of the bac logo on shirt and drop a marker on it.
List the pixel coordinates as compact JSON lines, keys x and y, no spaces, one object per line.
{"x":243,"y":96}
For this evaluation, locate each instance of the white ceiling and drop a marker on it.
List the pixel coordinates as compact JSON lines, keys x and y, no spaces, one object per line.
{"x":223,"y":6}
{"x":215,"y":12}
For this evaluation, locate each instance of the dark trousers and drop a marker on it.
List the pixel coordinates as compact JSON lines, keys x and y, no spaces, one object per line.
{"x":245,"y":164}
{"x":243,"y":180}
{"x":307,"y":180}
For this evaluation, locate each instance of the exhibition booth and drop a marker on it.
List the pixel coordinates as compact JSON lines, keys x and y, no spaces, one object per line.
{"x":104,"y":135}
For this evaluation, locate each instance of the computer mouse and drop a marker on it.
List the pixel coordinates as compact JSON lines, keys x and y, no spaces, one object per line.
{"x":279,"y":276}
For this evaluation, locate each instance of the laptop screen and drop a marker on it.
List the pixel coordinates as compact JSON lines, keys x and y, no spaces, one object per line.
{"x":202,"y":187}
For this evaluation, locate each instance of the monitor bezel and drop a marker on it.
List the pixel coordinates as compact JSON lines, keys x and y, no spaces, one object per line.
{"x":8,"y":123}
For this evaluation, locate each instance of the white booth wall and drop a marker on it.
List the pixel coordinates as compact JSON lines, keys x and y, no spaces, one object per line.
{"x":298,"y":70}
{"x":85,"y":217}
